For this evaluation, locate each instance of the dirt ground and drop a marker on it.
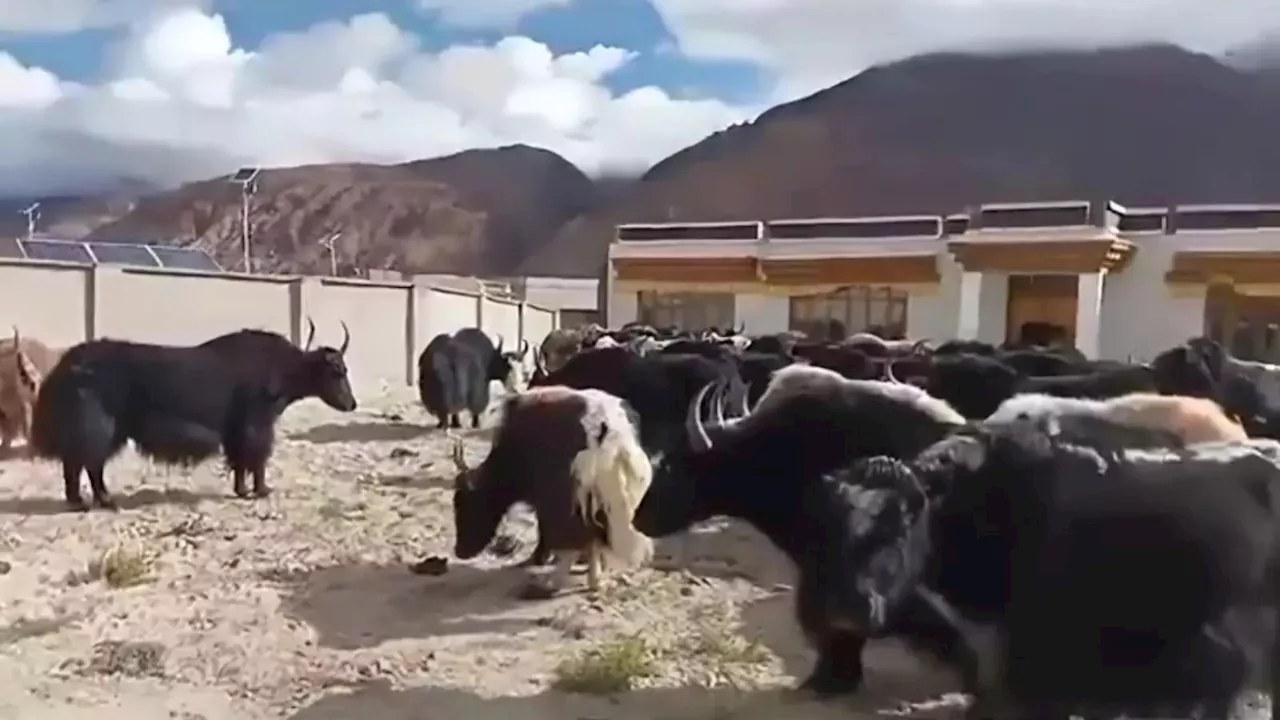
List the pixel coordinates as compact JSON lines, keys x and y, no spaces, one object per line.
{"x":189,"y":604}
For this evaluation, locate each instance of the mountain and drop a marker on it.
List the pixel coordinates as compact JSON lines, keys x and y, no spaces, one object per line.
{"x":476,"y":212}
{"x":932,"y":134}
{"x":936,"y":133}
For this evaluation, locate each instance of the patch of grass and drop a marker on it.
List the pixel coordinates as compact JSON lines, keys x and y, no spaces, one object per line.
{"x":716,"y":648}
{"x":123,"y":568}
{"x":607,"y":668}
{"x":130,"y":659}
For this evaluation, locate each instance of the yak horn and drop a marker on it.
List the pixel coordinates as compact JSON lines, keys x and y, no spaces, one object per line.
{"x":346,"y":339}
{"x":888,"y":371}
{"x":697,"y":432}
{"x":311,"y":333}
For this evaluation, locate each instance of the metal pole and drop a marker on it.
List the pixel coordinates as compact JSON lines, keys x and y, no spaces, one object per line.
{"x":333,"y":257}
{"x":244,"y":225}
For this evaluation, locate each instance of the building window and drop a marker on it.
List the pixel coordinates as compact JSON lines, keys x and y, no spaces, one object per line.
{"x":687,"y":311}
{"x":1247,"y":326}
{"x":854,"y":309}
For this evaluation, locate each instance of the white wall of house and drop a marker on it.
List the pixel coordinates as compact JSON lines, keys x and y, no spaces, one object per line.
{"x":762,"y":313}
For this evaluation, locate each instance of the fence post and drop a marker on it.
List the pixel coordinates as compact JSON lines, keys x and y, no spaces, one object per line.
{"x":411,"y":334}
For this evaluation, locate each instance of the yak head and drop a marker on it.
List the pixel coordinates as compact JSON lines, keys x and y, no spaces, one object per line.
{"x":19,"y":386}
{"x":324,"y":372}
{"x":475,"y":519}
{"x":871,"y":520}
{"x":507,"y":366}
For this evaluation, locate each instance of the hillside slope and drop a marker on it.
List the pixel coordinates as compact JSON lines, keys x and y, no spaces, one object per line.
{"x":937,"y":133}
{"x":481,"y":211}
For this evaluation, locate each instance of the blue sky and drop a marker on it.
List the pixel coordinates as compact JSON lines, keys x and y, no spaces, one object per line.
{"x":630,"y":24}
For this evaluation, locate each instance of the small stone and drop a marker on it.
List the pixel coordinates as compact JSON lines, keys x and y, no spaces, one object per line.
{"x":434,"y":565}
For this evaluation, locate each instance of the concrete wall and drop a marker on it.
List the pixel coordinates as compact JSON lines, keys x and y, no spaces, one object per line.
{"x":390,"y":322}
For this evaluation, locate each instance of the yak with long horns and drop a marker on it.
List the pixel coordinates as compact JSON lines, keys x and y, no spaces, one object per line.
{"x":180,"y":405}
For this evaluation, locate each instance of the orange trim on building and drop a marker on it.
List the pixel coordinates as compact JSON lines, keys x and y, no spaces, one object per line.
{"x":1225,"y":268}
{"x":886,"y":270}
{"x":692,"y":270}
{"x":1029,"y":257}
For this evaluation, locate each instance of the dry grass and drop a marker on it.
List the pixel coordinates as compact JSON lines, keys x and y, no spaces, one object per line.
{"x":713,"y":652}
{"x":122,"y":567}
{"x":607,"y":668}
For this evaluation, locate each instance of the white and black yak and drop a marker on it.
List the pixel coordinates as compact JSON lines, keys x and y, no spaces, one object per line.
{"x":575,"y":457}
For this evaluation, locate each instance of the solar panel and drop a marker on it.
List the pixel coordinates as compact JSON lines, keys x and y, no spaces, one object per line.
{"x":122,"y":254}
{"x":63,"y":251}
{"x":9,"y":248}
{"x":245,"y":174}
{"x":185,"y":259}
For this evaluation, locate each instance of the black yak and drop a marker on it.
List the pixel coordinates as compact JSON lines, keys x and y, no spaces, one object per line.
{"x":180,"y":405}
{"x":454,"y":373}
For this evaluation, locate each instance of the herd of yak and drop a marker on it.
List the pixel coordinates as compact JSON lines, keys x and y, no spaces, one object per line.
{"x":1071,"y":537}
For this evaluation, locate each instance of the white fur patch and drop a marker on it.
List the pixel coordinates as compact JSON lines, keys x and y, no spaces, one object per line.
{"x":613,"y":474}
{"x":1195,"y":420}
{"x":606,"y":342}
{"x":794,"y":379}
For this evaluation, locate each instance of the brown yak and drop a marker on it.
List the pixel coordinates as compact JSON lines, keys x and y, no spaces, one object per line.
{"x":23,"y":364}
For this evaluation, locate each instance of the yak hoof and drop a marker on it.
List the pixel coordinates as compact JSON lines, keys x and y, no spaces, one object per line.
{"x":106,"y":503}
{"x":77,"y":505}
{"x":538,"y":590}
{"x":826,"y":686}
{"x":261,"y":491}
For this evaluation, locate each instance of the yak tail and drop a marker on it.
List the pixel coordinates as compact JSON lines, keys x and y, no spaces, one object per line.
{"x":612,"y":476}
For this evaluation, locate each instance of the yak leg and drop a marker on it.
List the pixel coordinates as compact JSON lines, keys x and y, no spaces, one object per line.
{"x":238,"y":484}
{"x":455,"y":420}
{"x":593,"y":567}
{"x":247,"y":453}
{"x":839,"y":667}
{"x":71,"y":487}
{"x":98,"y":485}
{"x":260,"y":487}
{"x":545,"y":587}
{"x":475,"y":420}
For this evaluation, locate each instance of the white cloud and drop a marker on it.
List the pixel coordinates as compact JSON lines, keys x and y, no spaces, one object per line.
{"x":809,"y":44}
{"x":180,"y":102}
{"x":501,"y":14}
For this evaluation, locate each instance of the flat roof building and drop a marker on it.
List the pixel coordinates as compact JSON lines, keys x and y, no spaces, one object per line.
{"x":1114,"y":281}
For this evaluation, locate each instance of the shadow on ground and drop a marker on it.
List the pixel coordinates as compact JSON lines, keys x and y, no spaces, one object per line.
{"x":386,"y":431}
{"x":382,"y":703}
{"x":146,"y":497}
{"x":728,"y":549}
{"x":362,"y":605}
{"x":724,"y":548}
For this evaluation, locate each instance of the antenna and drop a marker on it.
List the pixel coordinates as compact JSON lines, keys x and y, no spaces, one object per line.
{"x":333,"y":258}
{"x":33,"y":215}
{"x":247,"y":179}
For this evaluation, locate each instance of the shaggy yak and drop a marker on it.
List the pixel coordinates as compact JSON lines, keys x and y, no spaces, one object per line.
{"x":575,"y":457}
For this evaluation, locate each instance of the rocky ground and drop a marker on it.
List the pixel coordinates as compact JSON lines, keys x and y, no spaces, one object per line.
{"x":191,"y":604}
